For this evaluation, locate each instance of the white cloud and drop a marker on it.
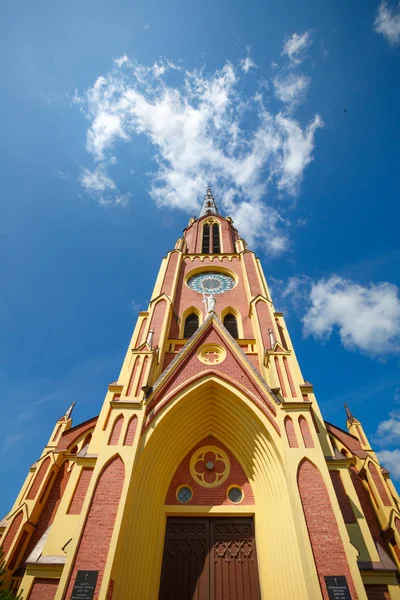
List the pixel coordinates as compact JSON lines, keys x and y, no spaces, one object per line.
{"x":291,"y":89}
{"x":296,"y":46}
{"x":197,"y":134}
{"x":146,"y":26}
{"x":390,"y":459}
{"x":387,"y":22}
{"x":367,"y":317}
{"x":247,"y":64}
{"x":388,"y":431}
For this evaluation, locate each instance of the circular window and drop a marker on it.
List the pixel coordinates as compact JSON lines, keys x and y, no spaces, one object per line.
{"x":211,"y":282}
{"x":235,"y":494}
{"x":184,"y":494}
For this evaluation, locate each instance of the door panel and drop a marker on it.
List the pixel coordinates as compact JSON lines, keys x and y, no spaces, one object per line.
{"x":233,"y":560}
{"x":185,"y":571}
{"x":209,"y":559}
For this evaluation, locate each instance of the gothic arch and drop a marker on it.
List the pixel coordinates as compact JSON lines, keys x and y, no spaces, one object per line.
{"x":101,"y":517}
{"x":235,"y":313}
{"x":116,"y":430}
{"x":210,"y":407}
{"x":185,"y":314}
{"x":326,"y":542}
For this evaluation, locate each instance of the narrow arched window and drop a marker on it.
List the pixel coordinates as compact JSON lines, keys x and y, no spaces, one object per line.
{"x":230,"y":324}
{"x":206,"y":239}
{"x":191,"y":325}
{"x":216,"y":243}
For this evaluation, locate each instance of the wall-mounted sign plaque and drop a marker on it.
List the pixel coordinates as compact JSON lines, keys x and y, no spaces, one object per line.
{"x":337,"y":588}
{"x":85,"y":584}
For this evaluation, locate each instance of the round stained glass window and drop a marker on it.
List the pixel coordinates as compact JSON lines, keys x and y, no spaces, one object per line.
{"x":211,"y":282}
{"x":235,"y":494}
{"x":184,"y":494}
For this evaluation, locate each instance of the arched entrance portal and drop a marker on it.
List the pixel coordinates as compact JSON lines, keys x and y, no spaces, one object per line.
{"x":209,"y":557}
{"x":215,"y":407}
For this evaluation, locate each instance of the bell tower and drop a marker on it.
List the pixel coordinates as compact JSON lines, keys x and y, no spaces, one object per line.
{"x":209,"y":471}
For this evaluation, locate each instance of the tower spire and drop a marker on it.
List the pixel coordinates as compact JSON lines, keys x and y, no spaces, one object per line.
{"x":348,"y":412}
{"x":209,"y":205}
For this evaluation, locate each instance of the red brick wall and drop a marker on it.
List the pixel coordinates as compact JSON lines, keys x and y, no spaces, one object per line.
{"x":139,"y":339}
{"x":379,"y":484}
{"x":290,"y":378}
{"x":44,"y":589}
{"x":50,"y":508}
{"x":279,"y":372}
{"x":132,"y":377}
{"x":11,"y":533}
{"x":130,"y":431}
{"x":290,"y":433}
{"x":397,"y":524}
{"x":80,"y":491}
{"x":252,"y":275}
{"x":18,"y":549}
{"x":191,"y":367}
{"x":368,"y":508}
{"x":343,"y":499}
{"x":306,"y":433}
{"x":55,"y":436}
{"x":236,"y":297}
{"x":69,"y":437}
{"x":141,"y":378}
{"x":377,"y":592}
{"x":40,"y":475}
{"x":96,"y":535}
{"x":157,"y":320}
{"x":326,"y":543}
{"x":209,"y":496}
{"x":116,"y":431}
{"x":281,"y":334}
{"x":169,"y":275}
{"x":265,"y":323}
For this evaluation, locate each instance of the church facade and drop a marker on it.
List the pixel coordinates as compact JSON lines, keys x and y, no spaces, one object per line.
{"x":209,"y":473}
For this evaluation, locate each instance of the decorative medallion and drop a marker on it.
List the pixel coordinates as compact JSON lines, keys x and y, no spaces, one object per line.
{"x":235,"y":494}
{"x":211,"y":354}
{"x":184,"y":494}
{"x":209,"y":466}
{"x":211,"y":282}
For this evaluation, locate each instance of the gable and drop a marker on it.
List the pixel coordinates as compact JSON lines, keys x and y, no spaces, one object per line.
{"x":234,"y":367}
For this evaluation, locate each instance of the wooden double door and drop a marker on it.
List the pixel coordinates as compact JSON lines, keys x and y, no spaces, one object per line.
{"x":209,"y":559}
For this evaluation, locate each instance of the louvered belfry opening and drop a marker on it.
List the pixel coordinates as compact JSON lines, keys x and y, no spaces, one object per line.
{"x":230,"y":324}
{"x":191,"y":325}
{"x":216,"y":241}
{"x":206,"y":239}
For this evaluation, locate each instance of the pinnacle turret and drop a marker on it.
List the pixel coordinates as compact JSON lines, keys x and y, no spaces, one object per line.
{"x":209,"y":205}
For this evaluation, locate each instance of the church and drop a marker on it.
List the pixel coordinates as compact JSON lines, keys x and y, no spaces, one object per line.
{"x":209,"y":472}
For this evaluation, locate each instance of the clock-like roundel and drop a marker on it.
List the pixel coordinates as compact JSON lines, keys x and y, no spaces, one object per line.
{"x":211,"y":282}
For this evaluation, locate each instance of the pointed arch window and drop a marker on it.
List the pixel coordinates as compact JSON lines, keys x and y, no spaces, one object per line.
{"x":191,"y":325}
{"x":206,"y":239}
{"x":230,"y":324}
{"x":216,"y":241}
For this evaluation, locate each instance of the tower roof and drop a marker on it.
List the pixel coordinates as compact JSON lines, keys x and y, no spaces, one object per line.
{"x":209,"y":205}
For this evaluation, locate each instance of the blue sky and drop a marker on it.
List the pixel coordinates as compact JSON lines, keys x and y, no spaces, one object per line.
{"x":115,"y":117}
